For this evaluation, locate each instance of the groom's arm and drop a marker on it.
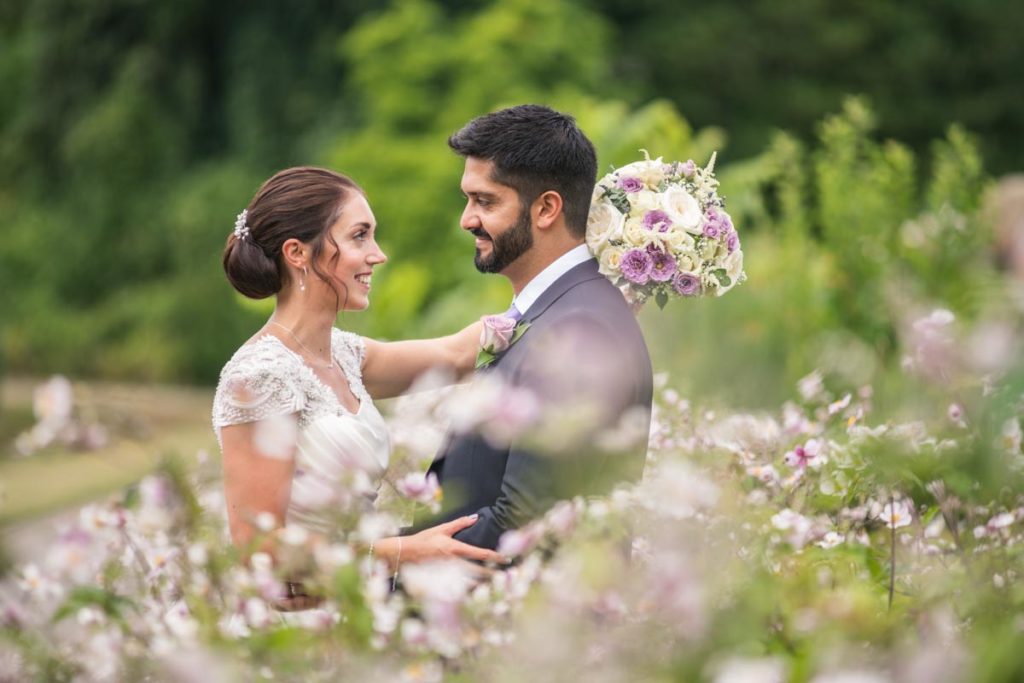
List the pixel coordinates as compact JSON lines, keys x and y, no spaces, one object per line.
{"x":575,"y":369}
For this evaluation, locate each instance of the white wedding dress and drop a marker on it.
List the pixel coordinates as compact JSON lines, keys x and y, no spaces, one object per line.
{"x":265,"y":380}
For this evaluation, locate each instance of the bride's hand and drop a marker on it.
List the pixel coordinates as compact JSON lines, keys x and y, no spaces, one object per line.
{"x":436,"y":543}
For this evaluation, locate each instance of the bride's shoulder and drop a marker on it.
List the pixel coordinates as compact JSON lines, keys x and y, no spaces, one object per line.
{"x":263,"y":353}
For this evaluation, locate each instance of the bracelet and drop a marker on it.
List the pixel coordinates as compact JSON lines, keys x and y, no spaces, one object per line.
{"x":398,"y":562}
{"x":370,"y":554}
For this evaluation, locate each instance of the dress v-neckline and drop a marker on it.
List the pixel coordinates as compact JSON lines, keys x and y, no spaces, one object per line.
{"x":316,"y":378}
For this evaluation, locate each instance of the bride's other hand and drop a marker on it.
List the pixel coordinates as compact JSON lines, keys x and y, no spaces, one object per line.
{"x":435,"y":543}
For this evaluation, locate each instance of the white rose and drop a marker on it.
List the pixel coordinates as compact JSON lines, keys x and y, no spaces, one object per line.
{"x":682,"y":208}
{"x":604,"y":223}
{"x":636,"y":235}
{"x":610,"y":259}
{"x":641,"y":202}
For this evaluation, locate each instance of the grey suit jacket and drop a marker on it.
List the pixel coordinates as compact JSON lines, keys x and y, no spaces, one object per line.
{"x":583,"y":347}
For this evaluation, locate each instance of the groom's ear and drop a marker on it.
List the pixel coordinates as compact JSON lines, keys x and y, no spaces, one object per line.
{"x":546,"y":209}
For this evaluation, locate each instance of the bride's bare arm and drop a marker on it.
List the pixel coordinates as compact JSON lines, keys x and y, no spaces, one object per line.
{"x":254,"y":482}
{"x":389,"y":368}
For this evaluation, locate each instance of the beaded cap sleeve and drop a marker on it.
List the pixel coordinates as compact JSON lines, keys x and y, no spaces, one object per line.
{"x":260,"y":381}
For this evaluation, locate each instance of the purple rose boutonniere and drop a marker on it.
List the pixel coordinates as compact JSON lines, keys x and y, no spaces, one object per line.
{"x":499,"y":333}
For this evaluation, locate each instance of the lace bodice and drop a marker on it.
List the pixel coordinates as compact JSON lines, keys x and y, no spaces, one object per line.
{"x":266,"y":379}
{"x":337,"y":452}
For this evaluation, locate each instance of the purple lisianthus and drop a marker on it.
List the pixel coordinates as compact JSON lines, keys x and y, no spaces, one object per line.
{"x":663,"y":266}
{"x":657,"y":220}
{"x":686,"y":284}
{"x":630,"y":183}
{"x":689,"y":168}
{"x":636,"y":266}
{"x":714,"y":225}
{"x":732,"y":242}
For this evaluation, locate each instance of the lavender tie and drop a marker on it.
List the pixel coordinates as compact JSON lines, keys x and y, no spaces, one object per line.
{"x":513,"y":313}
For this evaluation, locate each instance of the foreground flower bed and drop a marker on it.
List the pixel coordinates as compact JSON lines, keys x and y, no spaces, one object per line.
{"x":821,"y":543}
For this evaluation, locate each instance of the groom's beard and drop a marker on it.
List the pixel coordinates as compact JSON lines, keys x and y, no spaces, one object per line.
{"x":506,"y":247}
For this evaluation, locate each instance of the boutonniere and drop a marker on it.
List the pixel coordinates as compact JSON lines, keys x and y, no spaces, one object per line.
{"x":499,"y":333}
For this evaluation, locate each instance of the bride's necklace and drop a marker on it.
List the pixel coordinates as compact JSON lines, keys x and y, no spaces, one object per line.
{"x":330,"y":363}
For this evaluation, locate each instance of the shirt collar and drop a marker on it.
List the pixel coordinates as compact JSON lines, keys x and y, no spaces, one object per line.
{"x":547,"y":277}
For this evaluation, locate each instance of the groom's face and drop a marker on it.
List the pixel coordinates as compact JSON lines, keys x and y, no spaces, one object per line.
{"x":495,"y":216}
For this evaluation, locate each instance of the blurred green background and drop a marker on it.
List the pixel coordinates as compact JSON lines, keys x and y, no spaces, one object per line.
{"x":132,"y":132}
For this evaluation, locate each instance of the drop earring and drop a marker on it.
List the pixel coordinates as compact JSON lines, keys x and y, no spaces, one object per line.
{"x":302,"y":280}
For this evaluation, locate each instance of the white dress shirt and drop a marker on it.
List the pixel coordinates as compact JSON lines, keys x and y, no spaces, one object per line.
{"x":545,"y":278}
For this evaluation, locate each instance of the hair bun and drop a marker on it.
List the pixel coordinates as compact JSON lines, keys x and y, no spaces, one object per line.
{"x":249,"y":269}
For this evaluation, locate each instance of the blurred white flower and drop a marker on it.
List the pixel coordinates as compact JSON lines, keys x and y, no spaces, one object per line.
{"x":420,"y":487}
{"x":375,"y":526}
{"x":811,"y":387}
{"x":831,"y":540}
{"x":294,"y":535}
{"x":275,"y":436}
{"x":198,"y":554}
{"x":896,"y":516}
{"x":332,"y":557}
{"x":800,"y":528}
{"x":180,"y":622}
{"x":677,"y":489}
{"x":1001,"y":521}
{"x":741,"y":670}
{"x":257,"y":613}
{"x":266,"y":522}
{"x":438,"y":580}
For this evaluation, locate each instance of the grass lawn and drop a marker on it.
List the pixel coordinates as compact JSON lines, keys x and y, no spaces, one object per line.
{"x":146,"y":423}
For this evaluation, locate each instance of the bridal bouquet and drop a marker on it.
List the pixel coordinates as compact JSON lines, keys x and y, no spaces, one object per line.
{"x":660,"y":229}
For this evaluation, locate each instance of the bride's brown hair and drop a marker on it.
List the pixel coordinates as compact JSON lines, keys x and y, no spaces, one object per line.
{"x":300,"y":203}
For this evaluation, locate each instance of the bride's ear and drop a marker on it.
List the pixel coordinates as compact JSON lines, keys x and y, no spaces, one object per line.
{"x":546,"y":209}
{"x":295,"y":253}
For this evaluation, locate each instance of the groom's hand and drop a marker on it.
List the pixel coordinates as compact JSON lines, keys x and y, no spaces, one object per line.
{"x":437,"y":543}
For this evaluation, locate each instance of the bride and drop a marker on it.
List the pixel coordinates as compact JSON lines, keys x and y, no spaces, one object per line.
{"x":308,"y":238}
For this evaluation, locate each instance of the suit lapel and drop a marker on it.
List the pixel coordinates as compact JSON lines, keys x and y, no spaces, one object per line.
{"x":584,"y":272}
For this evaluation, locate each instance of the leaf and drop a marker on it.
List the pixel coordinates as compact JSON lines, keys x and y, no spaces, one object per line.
{"x":483,"y":359}
{"x":617,"y":196}
{"x":518,"y":332}
{"x":661,"y":298}
{"x":723,"y":279}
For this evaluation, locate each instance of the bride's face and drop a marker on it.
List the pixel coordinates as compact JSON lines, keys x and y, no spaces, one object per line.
{"x":357,"y":254}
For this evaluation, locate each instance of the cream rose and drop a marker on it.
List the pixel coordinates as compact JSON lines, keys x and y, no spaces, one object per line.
{"x":682,"y":208}
{"x":686,"y":261}
{"x":610,"y":259}
{"x":641,"y":202}
{"x":636,"y":235}
{"x":678,"y":240}
{"x":604,"y":223}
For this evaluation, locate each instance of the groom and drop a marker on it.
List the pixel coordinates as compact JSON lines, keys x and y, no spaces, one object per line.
{"x":528,"y":180}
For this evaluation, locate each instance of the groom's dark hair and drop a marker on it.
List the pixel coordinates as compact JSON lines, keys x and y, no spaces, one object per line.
{"x":535,"y":149}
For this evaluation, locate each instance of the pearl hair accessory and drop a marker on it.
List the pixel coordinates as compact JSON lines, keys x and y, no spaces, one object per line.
{"x":241,"y":229}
